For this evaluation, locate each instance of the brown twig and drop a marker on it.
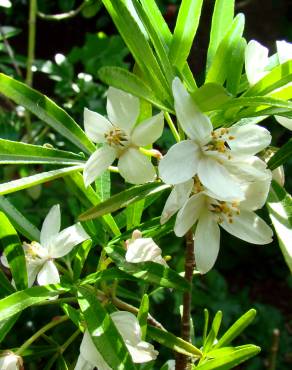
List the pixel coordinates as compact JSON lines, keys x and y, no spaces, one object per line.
{"x":182,"y":361}
{"x":274,"y":350}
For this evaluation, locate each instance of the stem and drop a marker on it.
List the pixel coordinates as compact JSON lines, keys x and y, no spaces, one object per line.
{"x":62,"y":16}
{"x":172,"y":126}
{"x":274,"y":350}
{"x":30,"y":58}
{"x":40,"y":332}
{"x":182,"y":360}
{"x":10,"y":52}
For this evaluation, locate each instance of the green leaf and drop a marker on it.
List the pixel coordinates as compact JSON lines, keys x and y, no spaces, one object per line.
{"x":236,"y":329}
{"x":13,"y":251}
{"x":80,"y":258}
{"x":169,"y":340}
{"x":21,"y":224}
{"x":206,"y":324}
{"x":17,"y":302}
{"x":8,"y":31}
{"x":278,"y":77}
{"x":134,"y":213}
{"x":143,"y":315}
{"x":109,"y":274}
{"x":235,"y":67}
{"x":6,"y":326}
{"x":131,"y":83}
{"x":5,"y":285}
{"x":123,"y":199}
{"x":104,"y":334}
{"x":15,"y":152}
{"x":151,"y":272}
{"x":222,"y":18}
{"x":207,"y":345}
{"x":74,"y":315}
{"x":219,"y":68}
{"x":185,"y":31}
{"x":40,"y":178}
{"x":210,"y":96}
{"x":281,"y":156}
{"x":103,"y":185}
{"x":228,"y":359}
{"x":46,"y":110}
{"x":280,"y":210}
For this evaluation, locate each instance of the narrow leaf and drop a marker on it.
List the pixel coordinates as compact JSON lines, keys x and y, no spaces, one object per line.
{"x":143,"y":315}
{"x":213,"y":332}
{"x":6,"y":326}
{"x":281,"y":156}
{"x":80,"y":258}
{"x":235,"y":67}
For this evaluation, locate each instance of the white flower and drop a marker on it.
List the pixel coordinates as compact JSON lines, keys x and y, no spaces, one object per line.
{"x":10,"y":361}
{"x":143,"y":249}
{"x":128,"y":326}
{"x":219,"y":157}
{"x":121,"y":138}
{"x":257,"y":61}
{"x":53,"y":244}
{"x":237,"y":218}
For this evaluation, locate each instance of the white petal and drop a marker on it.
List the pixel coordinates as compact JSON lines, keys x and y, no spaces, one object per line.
{"x":248,"y":139}
{"x":142,"y":250}
{"x":66,"y":240}
{"x":189,"y":214}
{"x":142,"y":352}
{"x":216,"y":178}
{"x":195,"y":124}
{"x":97,"y":163}
{"x":96,"y":126}
{"x":122,"y":109}
{"x":83,"y":364}
{"x":256,"y":60}
{"x":10,"y":362}
{"x":128,"y":326}
{"x":48,"y":274}
{"x":256,"y":194}
{"x":4,"y":261}
{"x":148,"y":131}
{"x":91,"y":354}
{"x":249,"y":227}
{"x":206,"y":242}
{"x":180,"y":163}
{"x":135,"y":167}
{"x":51,"y":225}
{"x":284,"y":50}
{"x":177,"y":198}
{"x":284,"y":121}
{"x":33,"y":267}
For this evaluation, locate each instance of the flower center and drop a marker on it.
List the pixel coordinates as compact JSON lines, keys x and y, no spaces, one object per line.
{"x":34,"y":250}
{"x":197,"y":186}
{"x":116,"y":138}
{"x":219,"y":142}
{"x":224,"y":210}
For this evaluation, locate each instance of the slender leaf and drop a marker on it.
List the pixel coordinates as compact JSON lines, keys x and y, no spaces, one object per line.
{"x":169,"y":340}
{"x":80,"y":258}
{"x":8,"y":31}
{"x":21,"y":224}
{"x":222,"y":18}
{"x":281,"y":156}
{"x":6,"y":326}
{"x":143,"y":315}
{"x":236,"y":329}
{"x":17,"y":302}
{"x":74,"y":315}
{"x":103,"y":331}
{"x":210,"y":97}
{"x":206,"y":324}
{"x":123,"y":199}
{"x":16,"y":152}
{"x":134,"y":213}
{"x":213,"y":332}
{"x":109,"y":274}
{"x":151,"y":272}
{"x":280,"y":210}
{"x":235,"y":65}
{"x":185,"y":31}
{"x":46,"y":110}
{"x":13,"y":251}
{"x":5,"y":285}
{"x":103,"y":185}
{"x":40,"y":178}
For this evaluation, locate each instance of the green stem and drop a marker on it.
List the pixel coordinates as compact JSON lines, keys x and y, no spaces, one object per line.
{"x":172,"y":126}
{"x":62,"y":16}
{"x":40,"y":332}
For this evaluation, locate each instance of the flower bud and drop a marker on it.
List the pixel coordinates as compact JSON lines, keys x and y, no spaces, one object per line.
{"x":10,"y":361}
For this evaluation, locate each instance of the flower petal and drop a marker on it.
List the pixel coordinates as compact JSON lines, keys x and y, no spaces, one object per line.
{"x":284,"y":50}
{"x":250,"y":227}
{"x":135,"y":167}
{"x":48,"y":274}
{"x":128,"y":326}
{"x":216,"y":178}
{"x":142,"y":250}
{"x":284,"y":121}
{"x":51,"y":226}
{"x":83,"y":364}
{"x":248,"y":139}
{"x":180,"y":163}
{"x":122,"y":109}
{"x":96,"y":126}
{"x":148,"y":131}
{"x":206,"y":242}
{"x":4,"y":261}
{"x":33,"y":267}
{"x":97,"y":163}
{"x":89,"y":352}
{"x":189,"y":214}
{"x":66,"y":240}
{"x":142,"y":352}
{"x":256,"y":194}
{"x":256,"y":60}
{"x":194,"y":123}
{"x":177,"y":198}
